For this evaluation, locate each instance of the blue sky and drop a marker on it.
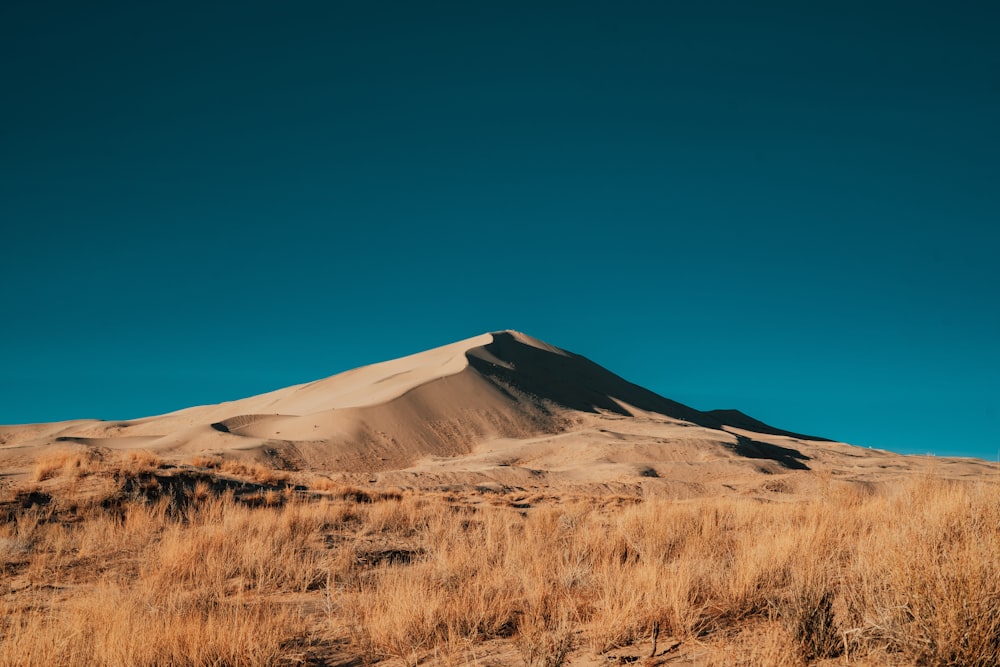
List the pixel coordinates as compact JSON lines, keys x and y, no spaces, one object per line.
{"x":791,"y":210}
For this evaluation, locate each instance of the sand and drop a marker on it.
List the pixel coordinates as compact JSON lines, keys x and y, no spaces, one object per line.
{"x":500,"y":409}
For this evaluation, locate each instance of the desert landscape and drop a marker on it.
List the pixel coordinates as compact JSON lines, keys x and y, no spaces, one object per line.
{"x":259,"y":404}
{"x":496,"y":501}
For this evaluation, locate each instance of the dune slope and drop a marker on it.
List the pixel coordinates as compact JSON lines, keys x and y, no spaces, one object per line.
{"x":500,"y":408}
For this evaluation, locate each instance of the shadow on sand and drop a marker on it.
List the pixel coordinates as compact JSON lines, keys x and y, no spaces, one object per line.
{"x":575,"y":382}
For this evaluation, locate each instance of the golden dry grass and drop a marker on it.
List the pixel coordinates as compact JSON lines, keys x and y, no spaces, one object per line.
{"x":100,"y":573}
{"x":204,"y":461}
{"x":73,"y":462}
{"x":255,"y":471}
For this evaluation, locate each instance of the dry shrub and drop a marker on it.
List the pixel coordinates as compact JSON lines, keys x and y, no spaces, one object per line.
{"x":356,"y":494}
{"x":258,"y":472}
{"x":806,"y":611}
{"x":138,"y":461}
{"x":321,"y":483}
{"x":206,"y":461}
{"x":544,"y":640}
{"x":70,"y":462}
{"x":764,"y":644}
{"x":272,"y":498}
{"x":201,"y":491}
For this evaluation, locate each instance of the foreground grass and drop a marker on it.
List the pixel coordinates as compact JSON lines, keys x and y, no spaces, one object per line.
{"x":100,"y":566}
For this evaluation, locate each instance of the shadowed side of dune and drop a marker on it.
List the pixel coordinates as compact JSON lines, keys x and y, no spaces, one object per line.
{"x":737,"y":419}
{"x":787,"y":457}
{"x":571,"y":380}
{"x":574,"y":382}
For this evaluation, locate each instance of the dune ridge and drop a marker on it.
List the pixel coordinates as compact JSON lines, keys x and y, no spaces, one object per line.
{"x":500,"y":407}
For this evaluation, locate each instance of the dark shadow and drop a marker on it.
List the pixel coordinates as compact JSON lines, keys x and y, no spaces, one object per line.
{"x":784,"y":456}
{"x":377,"y":557}
{"x":737,"y":419}
{"x":570,"y":380}
{"x":575,"y":382}
{"x":23,"y":500}
{"x":182,"y":489}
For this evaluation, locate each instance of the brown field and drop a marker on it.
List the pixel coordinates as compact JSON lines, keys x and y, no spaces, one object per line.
{"x":133,"y":561}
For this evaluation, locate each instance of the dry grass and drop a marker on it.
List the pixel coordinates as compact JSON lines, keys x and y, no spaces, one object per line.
{"x":904,"y":576}
{"x":256,"y":471}
{"x":82,"y":461}
{"x":137,"y":461}
{"x":127,"y":626}
{"x":71,"y":462}
{"x":206,"y":461}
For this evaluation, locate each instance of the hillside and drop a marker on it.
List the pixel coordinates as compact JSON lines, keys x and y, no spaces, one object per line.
{"x":501,"y":408}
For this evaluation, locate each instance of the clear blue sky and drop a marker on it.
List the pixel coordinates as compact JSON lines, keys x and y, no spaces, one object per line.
{"x":793,"y":210}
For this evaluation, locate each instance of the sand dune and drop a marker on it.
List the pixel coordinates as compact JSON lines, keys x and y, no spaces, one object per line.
{"x":499,"y":408}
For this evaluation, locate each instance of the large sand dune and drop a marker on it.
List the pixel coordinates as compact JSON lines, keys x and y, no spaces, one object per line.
{"x":501,"y":408}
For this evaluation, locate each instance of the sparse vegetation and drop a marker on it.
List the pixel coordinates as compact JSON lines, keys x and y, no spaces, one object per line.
{"x":119,"y":562}
{"x":74,"y":463}
{"x":255,"y":471}
{"x":204,"y":461}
